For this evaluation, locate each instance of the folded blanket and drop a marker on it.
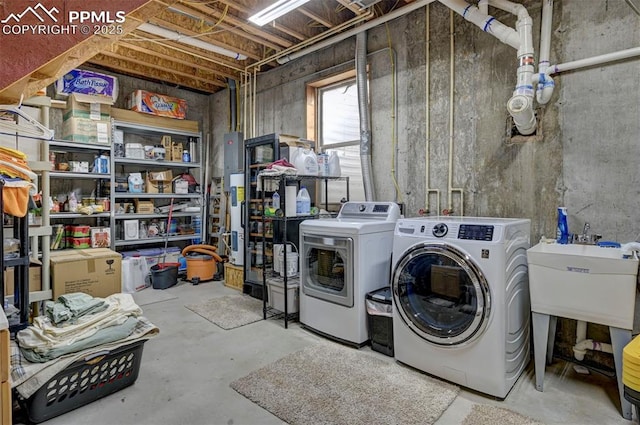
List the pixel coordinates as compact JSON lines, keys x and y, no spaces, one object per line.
{"x":28,"y":377}
{"x":70,"y":307}
{"x":45,"y":338}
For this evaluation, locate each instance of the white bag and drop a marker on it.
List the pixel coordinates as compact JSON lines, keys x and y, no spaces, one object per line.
{"x":134,"y":274}
{"x":305,"y":161}
{"x":334,"y":164}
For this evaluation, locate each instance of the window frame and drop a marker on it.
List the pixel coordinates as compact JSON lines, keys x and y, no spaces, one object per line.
{"x":314,"y":112}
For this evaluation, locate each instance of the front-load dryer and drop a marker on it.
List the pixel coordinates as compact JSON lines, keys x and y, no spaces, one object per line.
{"x":461,"y":299}
{"x":341,"y":260}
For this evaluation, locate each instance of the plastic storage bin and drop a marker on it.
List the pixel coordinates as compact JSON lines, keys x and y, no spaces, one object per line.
{"x":84,"y":381}
{"x":380,"y":321}
{"x":276,"y":296}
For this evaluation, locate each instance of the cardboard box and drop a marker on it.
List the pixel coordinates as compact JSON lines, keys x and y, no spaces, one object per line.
{"x":176,"y":152}
{"x":84,"y":130}
{"x":144,"y":207}
{"x":167,"y":145}
{"x":93,"y":271}
{"x":159,"y":182}
{"x":155,"y":121}
{"x":157,"y":104}
{"x":35,"y":278}
{"x":97,"y":108}
{"x":87,"y":82}
{"x":100,"y":237}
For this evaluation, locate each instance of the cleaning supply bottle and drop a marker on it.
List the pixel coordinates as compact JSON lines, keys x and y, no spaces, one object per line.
{"x":73,"y":202}
{"x":275,"y":200}
{"x":562,"y":231}
{"x":303,"y":202}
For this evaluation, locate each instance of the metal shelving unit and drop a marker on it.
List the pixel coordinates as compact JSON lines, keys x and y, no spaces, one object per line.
{"x":282,"y":234}
{"x":151,"y":136}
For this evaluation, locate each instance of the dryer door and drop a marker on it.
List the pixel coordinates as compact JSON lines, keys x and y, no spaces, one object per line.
{"x":441,"y":294}
{"x":327,"y":268}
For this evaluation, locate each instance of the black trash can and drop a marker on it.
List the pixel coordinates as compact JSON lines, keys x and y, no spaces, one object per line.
{"x":380,"y":321}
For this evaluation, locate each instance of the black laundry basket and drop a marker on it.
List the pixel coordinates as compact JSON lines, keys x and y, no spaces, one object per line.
{"x":380,"y":321}
{"x":84,"y":381}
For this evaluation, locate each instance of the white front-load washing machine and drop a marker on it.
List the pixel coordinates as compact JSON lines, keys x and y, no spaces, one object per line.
{"x":461,"y":304}
{"x":341,"y":260}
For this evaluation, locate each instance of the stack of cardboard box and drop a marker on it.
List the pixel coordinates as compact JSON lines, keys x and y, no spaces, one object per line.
{"x":87,"y":119}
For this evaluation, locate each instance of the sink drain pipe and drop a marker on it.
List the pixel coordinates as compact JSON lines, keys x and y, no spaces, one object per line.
{"x":583,"y":344}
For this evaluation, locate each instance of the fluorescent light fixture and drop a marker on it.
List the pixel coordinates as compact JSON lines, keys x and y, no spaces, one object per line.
{"x":276,"y":10}
{"x":191,"y":41}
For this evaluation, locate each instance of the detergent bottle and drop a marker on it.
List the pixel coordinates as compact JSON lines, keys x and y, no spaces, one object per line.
{"x":562,"y":231}
{"x":303,"y":202}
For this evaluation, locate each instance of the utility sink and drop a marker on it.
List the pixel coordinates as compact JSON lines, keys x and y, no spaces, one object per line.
{"x":583,"y":282}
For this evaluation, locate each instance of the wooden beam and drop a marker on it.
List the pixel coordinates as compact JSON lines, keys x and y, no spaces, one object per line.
{"x":160,"y":50}
{"x":140,"y":36}
{"x":319,"y":19}
{"x":83,"y":51}
{"x":127,"y":65}
{"x":186,"y":26}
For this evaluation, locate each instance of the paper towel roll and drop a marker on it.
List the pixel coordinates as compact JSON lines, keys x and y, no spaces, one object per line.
{"x":290,"y":200}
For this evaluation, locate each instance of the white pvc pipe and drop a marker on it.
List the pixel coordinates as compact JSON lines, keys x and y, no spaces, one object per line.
{"x":487,"y":23}
{"x":483,"y":6}
{"x":520,"y":106}
{"x":545,"y":84}
{"x":343,"y":36}
{"x":545,"y":34}
{"x":595,"y":60}
{"x":581,"y":331}
{"x":580,"y":349}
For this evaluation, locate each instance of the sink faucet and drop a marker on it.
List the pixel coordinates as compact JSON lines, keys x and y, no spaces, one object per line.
{"x":585,"y":238}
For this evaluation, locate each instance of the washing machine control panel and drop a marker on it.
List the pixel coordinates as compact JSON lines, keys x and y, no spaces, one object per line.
{"x":476,"y":232}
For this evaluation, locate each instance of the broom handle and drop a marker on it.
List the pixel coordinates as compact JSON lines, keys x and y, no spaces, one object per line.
{"x":166,"y":239}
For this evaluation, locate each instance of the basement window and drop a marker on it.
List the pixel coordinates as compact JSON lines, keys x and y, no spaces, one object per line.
{"x":333,"y":120}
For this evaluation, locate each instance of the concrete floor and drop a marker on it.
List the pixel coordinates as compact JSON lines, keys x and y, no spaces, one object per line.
{"x":187,"y":369}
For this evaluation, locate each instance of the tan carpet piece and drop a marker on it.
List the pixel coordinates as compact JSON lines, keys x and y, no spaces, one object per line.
{"x":332,"y":384}
{"x":231,"y":311}
{"x":482,"y":414}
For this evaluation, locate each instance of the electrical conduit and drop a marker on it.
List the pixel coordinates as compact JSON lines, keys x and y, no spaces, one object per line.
{"x":363,"y":107}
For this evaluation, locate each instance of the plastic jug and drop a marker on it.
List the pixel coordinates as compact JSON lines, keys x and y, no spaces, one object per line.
{"x":334,"y":164}
{"x":303,"y":202}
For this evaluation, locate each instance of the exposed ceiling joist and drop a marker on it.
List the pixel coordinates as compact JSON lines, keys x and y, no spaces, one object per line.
{"x":166,"y":56}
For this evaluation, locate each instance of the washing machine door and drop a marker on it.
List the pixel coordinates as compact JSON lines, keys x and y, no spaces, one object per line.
{"x":441,"y":294}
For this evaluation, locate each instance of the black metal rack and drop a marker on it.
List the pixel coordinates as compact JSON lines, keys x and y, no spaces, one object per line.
{"x":21,"y":264}
{"x":284,"y":235}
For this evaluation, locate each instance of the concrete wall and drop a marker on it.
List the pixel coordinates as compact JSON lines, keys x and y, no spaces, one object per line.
{"x":587,"y":159}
